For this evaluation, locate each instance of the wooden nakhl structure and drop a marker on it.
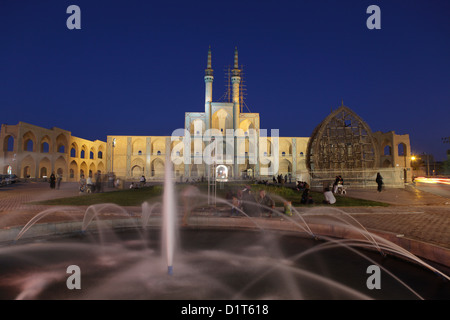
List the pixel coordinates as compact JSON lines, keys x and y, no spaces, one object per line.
{"x":342,"y":142}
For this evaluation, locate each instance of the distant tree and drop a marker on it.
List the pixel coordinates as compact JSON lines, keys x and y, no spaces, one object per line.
{"x":446,"y":164}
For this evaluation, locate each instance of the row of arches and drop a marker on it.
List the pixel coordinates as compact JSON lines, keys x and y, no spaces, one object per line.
{"x":401,"y":149}
{"x":221,"y":120}
{"x":30,"y":168}
{"x":76,"y":171}
{"x":244,"y":145}
{"x":158,"y":148}
{"x":83,"y":152}
{"x":47,"y":145}
{"x":157,"y":168}
{"x":31,"y":143}
{"x":139,"y":146}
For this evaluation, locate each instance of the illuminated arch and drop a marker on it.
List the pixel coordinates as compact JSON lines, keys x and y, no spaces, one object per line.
{"x":100,"y":152}
{"x":101,"y":167}
{"x":28,"y":167}
{"x":137,"y":168}
{"x":92,"y":153}
{"x":45,"y":167}
{"x":83,"y":169}
{"x":386,"y":147}
{"x":29,"y":141}
{"x":74,"y":150}
{"x":159,"y":147}
{"x":73,"y":171}
{"x":83,"y":153}
{"x":45,"y":145}
{"x":285,"y":167}
{"x":285,"y":148}
{"x":246,"y":125}
{"x":92,"y":170}
{"x":157,"y":167}
{"x":197,"y":127}
{"x":61,"y":143}
{"x":222,"y":120}
{"x":60,"y":165}
{"x":402,"y":149}
{"x":8,"y":143}
{"x":138,"y":147}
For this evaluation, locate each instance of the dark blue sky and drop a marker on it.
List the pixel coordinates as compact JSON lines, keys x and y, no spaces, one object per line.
{"x":136,"y":67}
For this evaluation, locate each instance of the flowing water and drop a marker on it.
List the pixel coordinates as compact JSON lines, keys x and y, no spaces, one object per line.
{"x":163,"y":261}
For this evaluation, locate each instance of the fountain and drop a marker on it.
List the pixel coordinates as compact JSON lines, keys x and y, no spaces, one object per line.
{"x":169,"y":216}
{"x":216,"y":257}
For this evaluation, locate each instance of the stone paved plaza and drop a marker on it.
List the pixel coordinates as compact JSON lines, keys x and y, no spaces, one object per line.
{"x":412,"y":214}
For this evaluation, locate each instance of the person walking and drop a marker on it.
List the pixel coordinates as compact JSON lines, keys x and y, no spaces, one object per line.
{"x":90,"y":185}
{"x":142,"y":181}
{"x":52,"y":181}
{"x":82,"y":183}
{"x":266,"y":204}
{"x":98,"y":182}
{"x":379,"y":181}
{"x":58,"y":180}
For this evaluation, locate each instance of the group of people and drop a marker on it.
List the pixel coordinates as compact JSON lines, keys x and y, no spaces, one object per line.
{"x":304,"y":187}
{"x":142,"y":182}
{"x":55,"y":181}
{"x":244,"y":201}
{"x":338,"y":184}
{"x":301,"y":185}
{"x":280,"y":179}
{"x":264,"y":205}
{"x":90,"y":186}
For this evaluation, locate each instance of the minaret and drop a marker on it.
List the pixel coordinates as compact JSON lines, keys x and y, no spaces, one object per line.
{"x":236,"y":80}
{"x":208,"y":90}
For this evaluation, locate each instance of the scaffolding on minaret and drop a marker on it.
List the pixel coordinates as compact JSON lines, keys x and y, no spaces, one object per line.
{"x":227,"y":96}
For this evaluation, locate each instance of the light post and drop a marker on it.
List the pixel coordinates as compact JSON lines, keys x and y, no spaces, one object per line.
{"x":413,"y":158}
{"x":428,"y":163}
{"x":112,"y":156}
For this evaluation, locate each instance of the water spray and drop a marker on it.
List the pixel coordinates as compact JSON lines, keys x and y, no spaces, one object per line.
{"x":169,"y":216}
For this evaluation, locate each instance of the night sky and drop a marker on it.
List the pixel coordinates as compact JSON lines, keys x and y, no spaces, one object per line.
{"x":136,"y":67}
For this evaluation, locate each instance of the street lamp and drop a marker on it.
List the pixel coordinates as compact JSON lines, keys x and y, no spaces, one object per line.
{"x":112,"y":156}
{"x":413,"y":158}
{"x":428,"y":162}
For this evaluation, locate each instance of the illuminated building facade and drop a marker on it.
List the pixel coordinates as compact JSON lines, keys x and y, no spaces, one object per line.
{"x":341,"y":144}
